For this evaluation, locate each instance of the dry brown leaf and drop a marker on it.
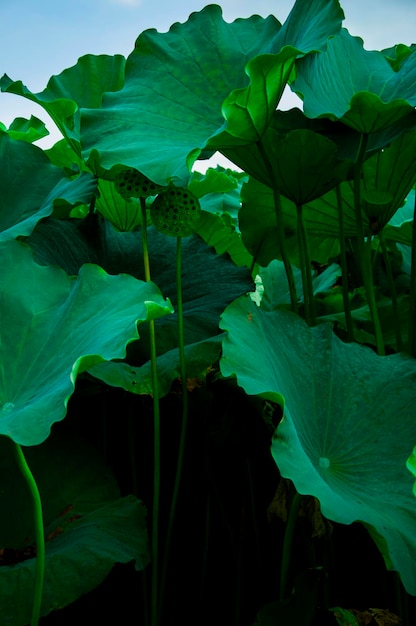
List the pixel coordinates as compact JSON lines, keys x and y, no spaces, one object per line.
{"x":381,"y":617}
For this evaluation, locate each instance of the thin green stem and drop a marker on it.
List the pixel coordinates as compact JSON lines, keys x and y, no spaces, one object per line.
{"x":156,"y":430}
{"x":156,"y":474}
{"x":283,"y":250}
{"x":371,"y":297}
{"x":310,"y":313}
{"x":39,"y":533}
{"x":281,"y":232}
{"x":344,"y":268}
{"x":287,"y":542}
{"x":393,"y":292}
{"x":146,"y":257}
{"x":364,"y":251}
{"x":412,"y":295}
{"x":304,"y":279}
{"x":184,"y":422}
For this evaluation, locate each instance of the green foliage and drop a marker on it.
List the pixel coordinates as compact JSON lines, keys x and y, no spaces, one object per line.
{"x":46,"y":313}
{"x":294,"y":290}
{"x":323,"y":377}
{"x":88,"y":525}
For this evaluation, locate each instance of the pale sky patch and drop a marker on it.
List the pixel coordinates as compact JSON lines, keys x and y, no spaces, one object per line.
{"x":51,"y":38}
{"x":127,"y":3}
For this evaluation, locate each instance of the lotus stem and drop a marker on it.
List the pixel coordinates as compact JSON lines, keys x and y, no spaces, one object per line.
{"x":156,"y":430}
{"x":281,"y":232}
{"x":310,"y":314}
{"x":364,"y":251}
{"x":412,"y":296}
{"x":283,"y":250}
{"x":184,"y":422}
{"x":39,"y":533}
{"x":393,"y":292}
{"x":344,"y":268}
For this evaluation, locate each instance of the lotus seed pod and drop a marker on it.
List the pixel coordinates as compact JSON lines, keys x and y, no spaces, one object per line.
{"x":131,"y":183}
{"x":176,"y":212}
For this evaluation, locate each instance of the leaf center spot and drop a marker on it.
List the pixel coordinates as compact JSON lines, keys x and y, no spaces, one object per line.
{"x":324,"y":462}
{"x":7,"y":407}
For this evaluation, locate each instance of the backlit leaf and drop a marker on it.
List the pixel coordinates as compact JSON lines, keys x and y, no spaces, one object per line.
{"x":355,"y":85}
{"x":176,"y":82}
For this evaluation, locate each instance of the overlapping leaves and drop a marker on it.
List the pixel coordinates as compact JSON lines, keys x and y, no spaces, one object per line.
{"x":209,"y":283}
{"x":357,"y":86}
{"x":337,"y":440}
{"x":54,"y":327}
{"x":170,"y":106}
{"x":79,"y":86}
{"x":32,"y":187}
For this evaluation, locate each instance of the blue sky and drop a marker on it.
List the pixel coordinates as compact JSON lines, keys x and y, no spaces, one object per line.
{"x":40,"y":38}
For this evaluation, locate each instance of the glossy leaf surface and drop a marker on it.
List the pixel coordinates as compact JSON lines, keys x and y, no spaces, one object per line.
{"x":175,"y":84}
{"x":358,"y":86}
{"x":82,"y":85}
{"x":54,"y":327}
{"x":209,"y":284}
{"x":337,"y":440}
{"x":249,"y":110}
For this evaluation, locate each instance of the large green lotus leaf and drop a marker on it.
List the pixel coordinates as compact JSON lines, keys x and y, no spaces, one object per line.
{"x":88,"y":527}
{"x":248,"y":110}
{"x":388,"y":177}
{"x":305,"y":165}
{"x":175,"y":85}
{"x":309,"y":25}
{"x":26,"y":130}
{"x":348,"y":424}
{"x":356,"y":86}
{"x":256,"y":159}
{"x":54,"y":327}
{"x":32,"y":187}
{"x":79,"y":86}
{"x":69,"y":244}
{"x":400,"y":226}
